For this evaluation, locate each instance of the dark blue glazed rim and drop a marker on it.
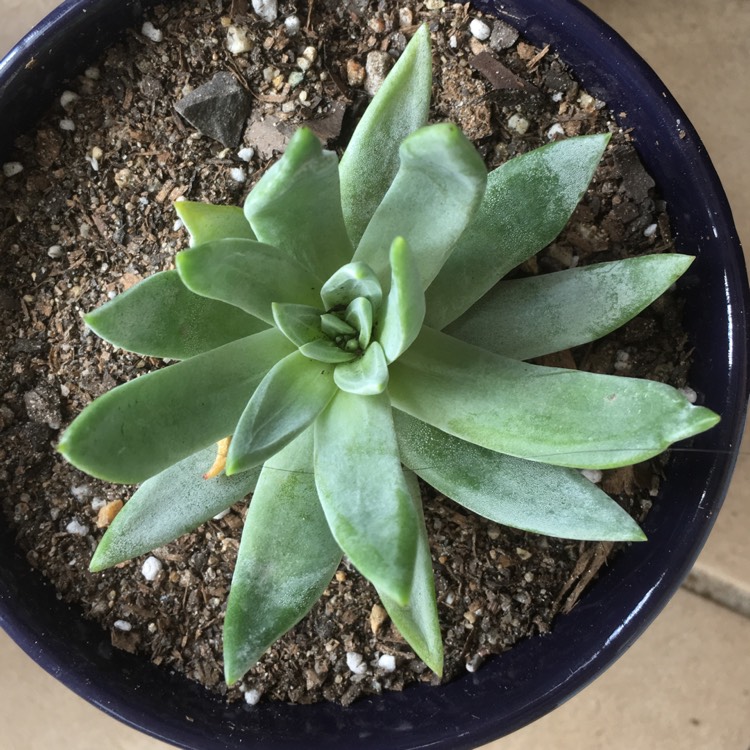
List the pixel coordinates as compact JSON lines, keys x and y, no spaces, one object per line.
{"x":540,"y":673}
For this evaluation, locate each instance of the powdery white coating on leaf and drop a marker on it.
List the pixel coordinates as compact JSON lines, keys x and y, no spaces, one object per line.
{"x":530,"y":317}
{"x":161,"y":317}
{"x":527,"y":202}
{"x":169,"y":505}
{"x":432,"y":199}
{"x":557,"y":416}
{"x":511,"y":491}
{"x":418,"y":620}
{"x":296,"y":207}
{"x":363,"y":491}
{"x":400,"y":107}
{"x":142,"y":428}
{"x":286,"y":559}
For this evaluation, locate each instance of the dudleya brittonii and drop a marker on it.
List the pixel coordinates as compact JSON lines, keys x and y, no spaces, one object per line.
{"x":348,"y":331}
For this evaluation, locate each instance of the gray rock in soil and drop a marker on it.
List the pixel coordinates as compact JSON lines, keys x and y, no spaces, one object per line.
{"x":217,"y":109}
{"x":377,"y":66}
{"x":266,"y":9}
{"x":503,"y":36}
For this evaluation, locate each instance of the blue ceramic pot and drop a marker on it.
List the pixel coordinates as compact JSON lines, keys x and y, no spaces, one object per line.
{"x":540,"y":673}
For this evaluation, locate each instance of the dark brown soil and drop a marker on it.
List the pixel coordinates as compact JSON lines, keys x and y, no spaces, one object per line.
{"x":90,"y":215}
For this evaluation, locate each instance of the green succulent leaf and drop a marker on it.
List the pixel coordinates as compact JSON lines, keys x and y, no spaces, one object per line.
{"x":324,"y":350}
{"x":349,"y":282}
{"x":161,"y":317}
{"x":287,"y":557}
{"x":248,"y":275}
{"x":526,"y":495}
{"x":206,"y":222}
{"x":430,"y":203}
{"x":285,"y":403}
{"x":363,"y":491}
{"x":359,"y":315}
{"x":538,"y":315}
{"x":400,"y":107}
{"x":171,"y":504}
{"x":418,"y":621}
{"x":301,"y":324}
{"x":296,"y":206}
{"x":527,"y":203}
{"x":142,"y":427}
{"x":333,"y":326}
{"x":404,"y":309}
{"x":561,"y":417}
{"x":367,"y":375}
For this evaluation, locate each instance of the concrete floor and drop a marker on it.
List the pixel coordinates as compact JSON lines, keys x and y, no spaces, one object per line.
{"x":686,"y":684}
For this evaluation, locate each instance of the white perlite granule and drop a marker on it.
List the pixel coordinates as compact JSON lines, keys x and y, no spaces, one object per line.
{"x":151,"y":568}
{"x":252,"y":696}
{"x":292,"y":25}
{"x":519,"y":124}
{"x":67,"y":98}
{"x":151,"y":32}
{"x":387,"y":662}
{"x":77,"y":528}
{"x":238,"y":174}
{"x":593,"y":475}
{"x":480,"y":30}
{"x":355,"y":662}
{"x":238,"y":41}
{"x":689,"y":394}
{"x":12,"y":168}
{"x":266,"y":9}
{"x":123,"y":625}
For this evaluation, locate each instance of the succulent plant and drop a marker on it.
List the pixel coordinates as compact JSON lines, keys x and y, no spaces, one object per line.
{"x":349,"y":330}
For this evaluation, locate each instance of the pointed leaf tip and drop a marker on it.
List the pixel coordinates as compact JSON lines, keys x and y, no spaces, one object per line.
{"x":400,"y":107}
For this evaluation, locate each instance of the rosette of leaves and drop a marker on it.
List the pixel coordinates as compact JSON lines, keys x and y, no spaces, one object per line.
{"x":349,"y":329}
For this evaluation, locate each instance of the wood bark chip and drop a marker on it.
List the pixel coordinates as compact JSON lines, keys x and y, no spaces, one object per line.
{"x":500,"y":77}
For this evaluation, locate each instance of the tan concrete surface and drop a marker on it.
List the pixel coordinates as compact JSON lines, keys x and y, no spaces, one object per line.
{"x":38,"y":713}
{"x":18,"y":17}
{"x":722,"y":572}
{"x":685,"y":684}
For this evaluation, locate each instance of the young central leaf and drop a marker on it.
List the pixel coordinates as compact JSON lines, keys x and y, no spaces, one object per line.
{"x":349,"y":282}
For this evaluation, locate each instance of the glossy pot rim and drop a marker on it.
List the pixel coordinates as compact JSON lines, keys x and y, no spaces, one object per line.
{"x":540,"y":673}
